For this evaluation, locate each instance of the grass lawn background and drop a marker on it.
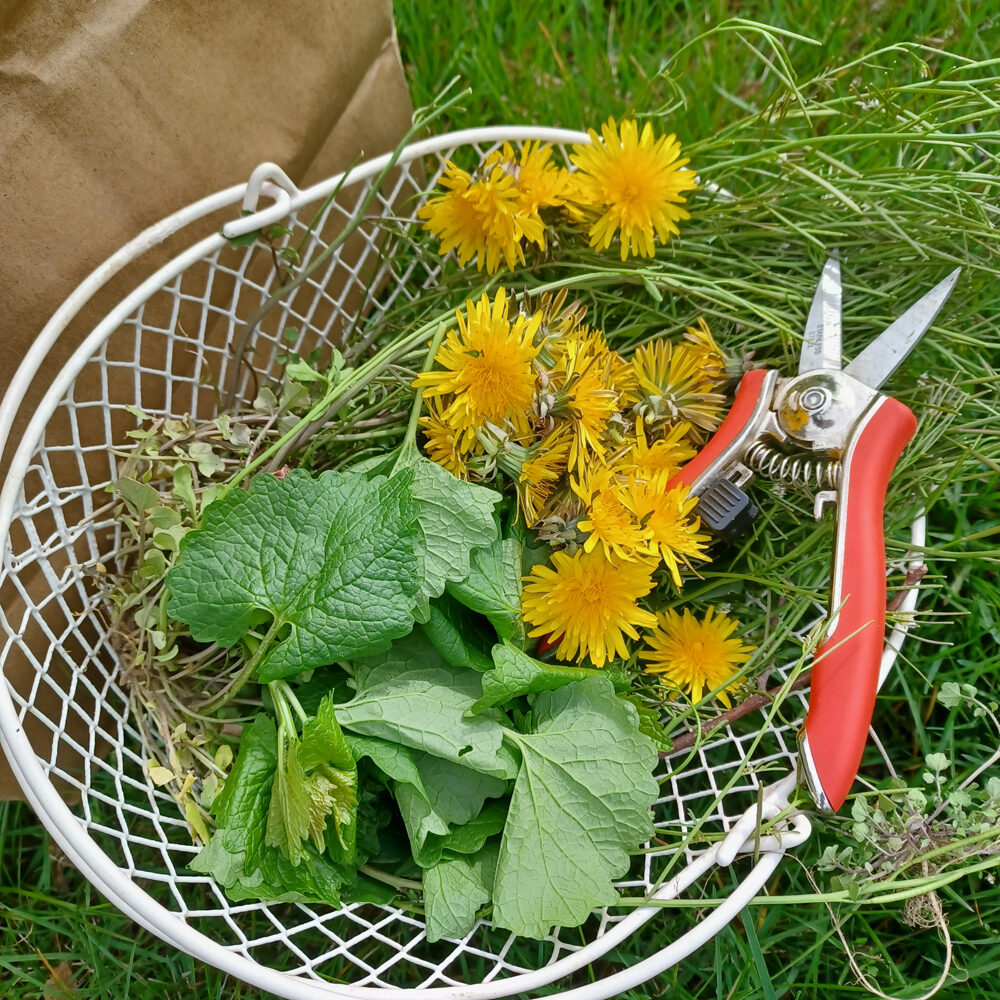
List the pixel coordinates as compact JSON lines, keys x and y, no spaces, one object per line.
{"x":573,"y":65}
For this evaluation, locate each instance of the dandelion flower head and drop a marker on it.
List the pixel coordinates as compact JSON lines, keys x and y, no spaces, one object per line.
{"x":482,"y":218}
{"x":486,"y":367}
{"x":696,"y":656}
{"x":590,"y":602}
{"x":673,"y":527}
{"x":443,"y":442}
{"x":637,"y":185}
{"x":611,"y":524}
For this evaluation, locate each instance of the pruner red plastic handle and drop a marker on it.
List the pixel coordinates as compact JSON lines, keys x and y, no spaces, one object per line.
{"x":846,"y":669}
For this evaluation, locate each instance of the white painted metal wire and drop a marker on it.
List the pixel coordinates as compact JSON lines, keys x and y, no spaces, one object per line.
{"x":163,"y":349}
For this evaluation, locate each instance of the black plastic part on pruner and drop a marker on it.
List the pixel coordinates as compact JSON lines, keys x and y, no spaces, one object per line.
{"x":725,"y":509}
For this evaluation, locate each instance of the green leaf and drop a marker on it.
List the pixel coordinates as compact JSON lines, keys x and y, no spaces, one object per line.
{"x":323,"y":742}
{"x":330,"y":557}
{"x":392,"y":759}
{"x":650,"y":723}
{"x":449,"y":796}
{"x":454,"y":518}
{"x":368,"y":890}
{"x":409,"y":695}
{"x":470,"y":837}
{"x":247,"y":239}
{"x":209,"y":463}
{"x":334,"y":783}
{"x":138,"y":497}
{"x":458,"y":634}
{"x":289,"y":815}
{"x":455,"y":889}
{"x":184,"y":487}
{"x":303,"y":372}
{"x":493,"y":588}
{"x":237,"y":856}
{"x":581,"y":804}
{"x":316,"y":783}
{"x":515,"y":673}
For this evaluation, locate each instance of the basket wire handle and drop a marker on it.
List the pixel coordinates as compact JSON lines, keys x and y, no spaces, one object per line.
{"x":271,"y":181}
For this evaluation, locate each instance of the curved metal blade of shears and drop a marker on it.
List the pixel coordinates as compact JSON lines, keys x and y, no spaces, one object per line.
{"x":821,"y":341}
{"x":887,"y":351}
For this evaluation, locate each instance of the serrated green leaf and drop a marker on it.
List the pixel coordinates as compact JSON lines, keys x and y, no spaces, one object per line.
{"x":323,"y":742}
{"x":289,"y":815}
{"x":455,"y":889}
{"x":515,"y":673}
{"x":409,"y":695}
{"x":454,"y":519}
{"x":237,"y":856}
{"x":580,"y":805}
{"x":493,"y":588}
{"x":650,"y":723}
{"x":330,"y":557}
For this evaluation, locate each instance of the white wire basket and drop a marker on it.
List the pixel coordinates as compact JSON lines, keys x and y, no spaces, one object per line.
{"x":161,"y":349}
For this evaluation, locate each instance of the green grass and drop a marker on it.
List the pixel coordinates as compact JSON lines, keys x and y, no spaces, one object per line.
{"x":573,"y":64}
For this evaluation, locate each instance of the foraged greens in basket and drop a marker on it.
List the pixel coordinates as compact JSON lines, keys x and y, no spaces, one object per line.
{"x":389,"y":625}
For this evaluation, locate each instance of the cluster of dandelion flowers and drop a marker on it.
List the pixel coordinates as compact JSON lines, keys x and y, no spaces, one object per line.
{"x":695,"y":656}
{"x":628,"y":184}
{"x":634,"y":184}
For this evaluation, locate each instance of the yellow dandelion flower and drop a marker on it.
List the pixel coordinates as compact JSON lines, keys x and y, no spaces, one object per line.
{"x":713,"y":359}
{"x":674,"y":385}
{"x":610,"y":523}
{"x":637,"y":181}
{"x":539,"y":183}
{"x":486,"y":367}
{"x":589,"y":602}
{"x":577,"y":207}
{"x":586,"y":397}
{"x":696,"y":656}
{"x":660,"y":460}
{"x":544,"y":466}
{"x":443,"y":442}
{"x":482,"y":219}
{"x":673,"y":528}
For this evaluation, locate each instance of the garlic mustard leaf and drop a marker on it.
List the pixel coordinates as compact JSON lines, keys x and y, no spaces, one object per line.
{"x":331,"y":557}
{"x":453,"y":517}
{"x":239,"y":858}
{"x":515,"y":673}
{"x":450,"y":796}
{"x":454,"y":889}
{"x":409,"y":695}
{"x":581,"y":805}
{"x":493,"y":588}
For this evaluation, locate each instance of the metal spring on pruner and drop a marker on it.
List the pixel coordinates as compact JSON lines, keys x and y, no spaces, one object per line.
{"x":795,"y":470}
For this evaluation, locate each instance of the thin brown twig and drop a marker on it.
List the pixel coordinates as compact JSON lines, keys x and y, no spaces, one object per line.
{"x":758,"y":701}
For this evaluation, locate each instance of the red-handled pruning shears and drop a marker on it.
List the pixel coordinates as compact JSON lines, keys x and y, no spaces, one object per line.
{"x":855,"y":435}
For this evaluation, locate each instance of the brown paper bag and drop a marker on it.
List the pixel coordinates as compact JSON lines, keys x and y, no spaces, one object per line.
{"x":116,"y":113}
